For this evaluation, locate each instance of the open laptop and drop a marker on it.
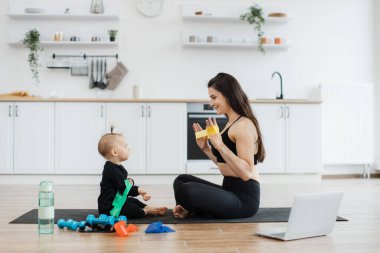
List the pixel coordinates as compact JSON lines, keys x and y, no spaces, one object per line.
{"x":311,"y":215}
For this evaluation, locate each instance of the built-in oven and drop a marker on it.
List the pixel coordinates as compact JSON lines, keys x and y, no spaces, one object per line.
{"x":197,"y":161}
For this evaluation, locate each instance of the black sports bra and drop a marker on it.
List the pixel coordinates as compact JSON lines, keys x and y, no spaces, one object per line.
{"x":230,"y":144}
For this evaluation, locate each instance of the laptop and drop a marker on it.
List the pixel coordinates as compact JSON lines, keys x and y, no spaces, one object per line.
{"x":311,"y":215}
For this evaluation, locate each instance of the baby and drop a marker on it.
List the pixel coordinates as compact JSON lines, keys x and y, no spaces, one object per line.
{"x":115,"y":182}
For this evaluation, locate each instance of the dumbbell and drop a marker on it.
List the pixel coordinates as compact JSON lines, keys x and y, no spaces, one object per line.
{"x":121,"y":218}
{"x":70,"y":224}
{"x":102,"y":220}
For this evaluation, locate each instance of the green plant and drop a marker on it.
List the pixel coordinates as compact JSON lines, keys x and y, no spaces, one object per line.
{"x":32,"y":42}
{"x":112,"y":33}
{"x":254,"y":16}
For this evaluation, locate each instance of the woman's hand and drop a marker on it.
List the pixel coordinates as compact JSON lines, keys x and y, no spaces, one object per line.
{"x":215,"y":139}
{"x":201,"y":142}
{"x":146,"y":196}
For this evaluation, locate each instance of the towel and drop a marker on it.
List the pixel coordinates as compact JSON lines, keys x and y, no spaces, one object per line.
{"x":115,"y":76}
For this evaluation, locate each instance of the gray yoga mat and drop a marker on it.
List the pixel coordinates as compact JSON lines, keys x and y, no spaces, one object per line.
{"x":265,"y":214}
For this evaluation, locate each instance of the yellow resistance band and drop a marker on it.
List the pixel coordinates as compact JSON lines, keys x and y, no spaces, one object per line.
{"x":211,"y":130}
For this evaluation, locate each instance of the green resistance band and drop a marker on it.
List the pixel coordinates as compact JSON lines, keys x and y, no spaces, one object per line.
{"x":120,"y":200}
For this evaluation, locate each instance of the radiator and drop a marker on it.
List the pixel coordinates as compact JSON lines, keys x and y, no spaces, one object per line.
{"x":347,"y":124}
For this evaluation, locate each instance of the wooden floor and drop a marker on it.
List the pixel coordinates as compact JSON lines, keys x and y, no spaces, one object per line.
{"x":361,"y":205}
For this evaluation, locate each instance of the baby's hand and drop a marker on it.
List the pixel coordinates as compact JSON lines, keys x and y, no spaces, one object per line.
{"x":146,"y":196}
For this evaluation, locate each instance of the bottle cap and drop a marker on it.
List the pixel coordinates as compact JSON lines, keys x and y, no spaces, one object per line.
{"x":46,"y":186}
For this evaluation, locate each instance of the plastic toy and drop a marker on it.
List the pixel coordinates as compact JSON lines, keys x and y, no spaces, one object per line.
{"x":157,"y":227}
{"x":70,"y":224}
{"x":102,"y":220}
{"x":122,"y":229}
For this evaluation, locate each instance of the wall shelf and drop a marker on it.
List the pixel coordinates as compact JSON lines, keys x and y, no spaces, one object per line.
{"x":79,"y":22}
{"x":71,"y":43}
{"x":63,"y":16}
{"x":220,"y":24}
{"x":211,"y":18}
{"x":234,"y":45}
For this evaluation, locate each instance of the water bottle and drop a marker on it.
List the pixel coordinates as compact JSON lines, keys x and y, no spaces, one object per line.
{"x":46,"y":208}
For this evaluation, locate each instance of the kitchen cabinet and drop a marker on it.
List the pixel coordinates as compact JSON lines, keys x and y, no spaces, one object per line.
{"x":6,"y":138}
{"x":130,"y":120}
{"x":78,"y":128}
{"x":292,"y":137}
{"x":212,"y":25}
{"x":33,"y":136}
{"x":155,"y":133}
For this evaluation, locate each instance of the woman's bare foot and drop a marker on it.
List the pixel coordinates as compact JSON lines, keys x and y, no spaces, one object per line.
{"x":180,"y":212}
{"x":155,"y":211}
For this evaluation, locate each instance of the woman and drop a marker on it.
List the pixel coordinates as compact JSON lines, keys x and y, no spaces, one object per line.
{"x":236,"y":151}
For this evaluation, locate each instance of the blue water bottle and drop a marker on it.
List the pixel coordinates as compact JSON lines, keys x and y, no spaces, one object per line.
{"x":46,"y":208}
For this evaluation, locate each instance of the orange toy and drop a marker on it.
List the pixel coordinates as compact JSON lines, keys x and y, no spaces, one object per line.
{"x":122,"y":229}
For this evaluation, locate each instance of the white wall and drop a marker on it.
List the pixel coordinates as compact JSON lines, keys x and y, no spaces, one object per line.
{"x":377,"y":84}
{"x":332,"y":42}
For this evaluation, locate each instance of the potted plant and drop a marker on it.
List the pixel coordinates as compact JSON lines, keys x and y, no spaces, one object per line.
{"x":254,"y":16}
{"x":32,"y":42}
{"x":112,"y":34}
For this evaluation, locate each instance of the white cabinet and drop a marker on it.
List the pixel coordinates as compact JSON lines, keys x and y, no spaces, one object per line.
{"x":33,"y":151}
{"x":155,"y":133}
{"x":78,"y":128}
{"x":6,"y":138}
{"x":291,"y":135}
{"x":166,"y":133}
{"x":130,"y":120}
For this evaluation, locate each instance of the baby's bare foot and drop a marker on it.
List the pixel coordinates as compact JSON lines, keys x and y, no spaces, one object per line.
{"x":154,"y":211}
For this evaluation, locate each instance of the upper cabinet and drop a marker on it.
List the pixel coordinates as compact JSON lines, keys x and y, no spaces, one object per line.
{"x":63,"y":23}
{"x":219,"y":25}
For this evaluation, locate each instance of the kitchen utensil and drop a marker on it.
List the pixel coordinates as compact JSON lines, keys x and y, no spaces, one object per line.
{"x":101,"y":84}
{"x":79,"y":68}
{"x":92,"y":82}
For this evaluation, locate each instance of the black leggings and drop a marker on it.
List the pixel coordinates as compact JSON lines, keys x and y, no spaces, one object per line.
{"x":133,"y":209}
{"x":234,"y":199}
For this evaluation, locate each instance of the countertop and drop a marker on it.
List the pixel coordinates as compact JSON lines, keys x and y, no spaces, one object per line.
{"x":152,"y":100}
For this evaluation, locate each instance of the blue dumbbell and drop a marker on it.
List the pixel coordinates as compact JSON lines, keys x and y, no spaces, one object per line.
{"x":121,"y":217}
{"x":70,"y":224}
{"x":82,"y":225}
{"x":104,"y":220}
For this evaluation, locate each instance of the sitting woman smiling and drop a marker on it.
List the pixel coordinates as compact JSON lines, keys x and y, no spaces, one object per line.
{"x":236,"y":151}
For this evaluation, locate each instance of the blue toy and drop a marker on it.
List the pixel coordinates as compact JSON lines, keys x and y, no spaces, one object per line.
{"x":102,"y":220}
{"x":70,"y":224}
{"x":121,"y":218}
{"x":157,"y":227}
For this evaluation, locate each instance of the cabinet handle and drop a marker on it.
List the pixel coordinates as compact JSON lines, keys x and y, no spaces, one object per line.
{"x":16,"y":110}
{"x":282,"y":111}
{"x":10,"y":111}
{"x":148,"y":111}
{"x":142,"y":111}
{"x":101,"y":111}
{"x":287,"y":112}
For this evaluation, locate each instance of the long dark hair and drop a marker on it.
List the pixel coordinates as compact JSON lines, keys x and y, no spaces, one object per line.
{"x":238,"y":100}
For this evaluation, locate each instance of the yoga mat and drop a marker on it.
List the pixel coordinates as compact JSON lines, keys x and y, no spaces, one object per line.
{"x":278,"y":214}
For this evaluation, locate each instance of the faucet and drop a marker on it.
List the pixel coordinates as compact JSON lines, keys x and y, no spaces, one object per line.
{"x":281,"y":95}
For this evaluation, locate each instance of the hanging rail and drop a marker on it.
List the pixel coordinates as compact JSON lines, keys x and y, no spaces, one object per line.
{"x":84,"y":56}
